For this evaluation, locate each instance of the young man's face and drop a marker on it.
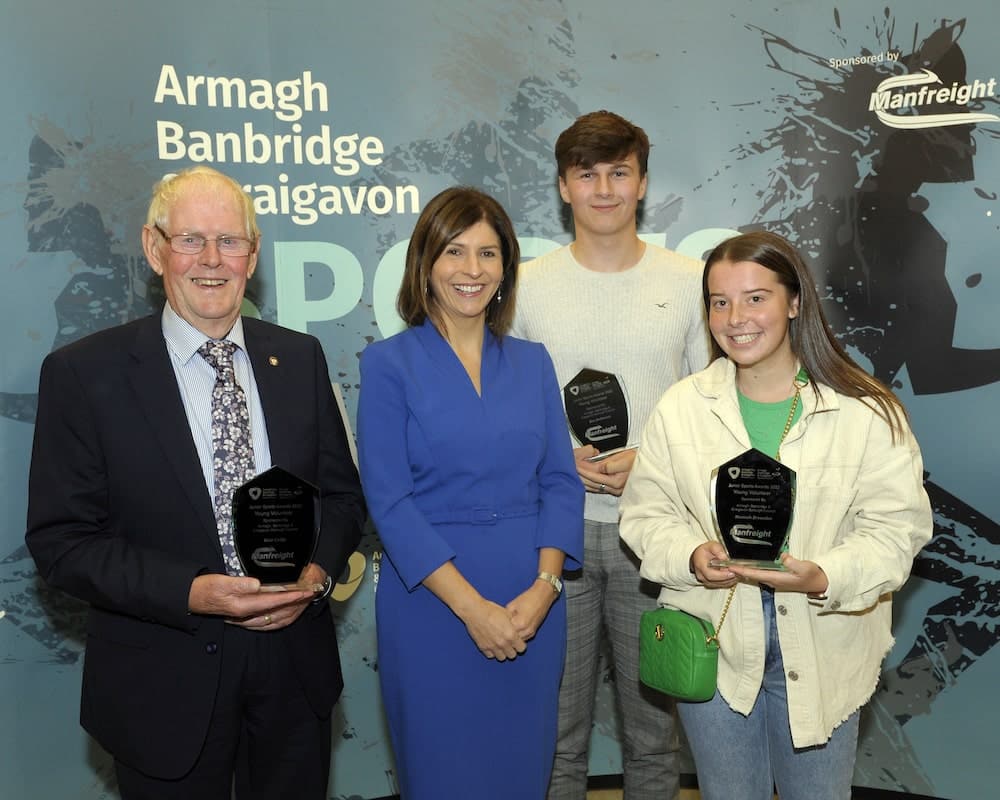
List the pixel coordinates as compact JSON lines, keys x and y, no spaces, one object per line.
{"x":604,"y":196}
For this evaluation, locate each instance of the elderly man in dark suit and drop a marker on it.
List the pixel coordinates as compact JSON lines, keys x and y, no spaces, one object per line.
{"x":195,"y":681}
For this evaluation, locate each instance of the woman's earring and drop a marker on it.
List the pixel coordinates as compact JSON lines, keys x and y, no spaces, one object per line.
{"x":499,"y":294}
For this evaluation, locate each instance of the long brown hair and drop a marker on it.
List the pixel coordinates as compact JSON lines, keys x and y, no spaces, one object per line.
{"x":813,"y":344}
{"x":446,"y":215}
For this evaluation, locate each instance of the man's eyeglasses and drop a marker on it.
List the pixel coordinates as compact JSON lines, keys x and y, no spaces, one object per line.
{"x":190,"y":244}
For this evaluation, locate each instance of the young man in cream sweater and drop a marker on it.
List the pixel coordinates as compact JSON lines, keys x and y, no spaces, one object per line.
{"x":611,"y":303}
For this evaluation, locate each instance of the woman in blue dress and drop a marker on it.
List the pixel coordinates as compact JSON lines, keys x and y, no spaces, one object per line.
{"x":469,"y":475}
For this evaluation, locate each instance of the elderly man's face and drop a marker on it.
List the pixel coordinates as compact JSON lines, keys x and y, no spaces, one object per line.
{"x":205,"y":289}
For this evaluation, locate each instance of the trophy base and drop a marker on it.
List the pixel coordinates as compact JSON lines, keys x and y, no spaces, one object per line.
{"x":608,"y":453}
{"x":774,"y":566}
{"x":290,"y":587}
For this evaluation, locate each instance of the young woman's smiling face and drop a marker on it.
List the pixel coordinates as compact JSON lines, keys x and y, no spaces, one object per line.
{"x":749,"y":313}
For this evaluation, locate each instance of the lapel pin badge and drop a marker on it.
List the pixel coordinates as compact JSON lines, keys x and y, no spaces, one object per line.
{"x":272,"y":360}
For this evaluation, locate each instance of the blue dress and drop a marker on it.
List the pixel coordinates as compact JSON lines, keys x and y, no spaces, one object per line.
{"x":483,"y":481}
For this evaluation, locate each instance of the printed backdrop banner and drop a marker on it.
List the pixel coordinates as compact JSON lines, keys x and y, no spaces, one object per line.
{"x":868,"y":135}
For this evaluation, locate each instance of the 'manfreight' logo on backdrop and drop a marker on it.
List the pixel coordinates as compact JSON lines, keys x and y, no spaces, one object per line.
{"x":899,"y":103}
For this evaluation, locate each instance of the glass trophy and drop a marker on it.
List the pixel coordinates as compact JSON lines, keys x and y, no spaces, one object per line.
{"x":752,"y":497}
{"x":276,"y":521}
{"x":597,"y":409}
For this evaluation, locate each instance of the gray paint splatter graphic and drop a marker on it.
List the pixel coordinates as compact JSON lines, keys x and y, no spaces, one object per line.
{"x":845,"y":190}
{"x":89,"y":201}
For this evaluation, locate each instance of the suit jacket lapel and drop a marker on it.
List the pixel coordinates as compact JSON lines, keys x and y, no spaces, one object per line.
{"x":152,"y":378}
{"x":266,"y":359}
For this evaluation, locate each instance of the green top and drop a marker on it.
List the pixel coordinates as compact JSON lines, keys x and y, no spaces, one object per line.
{"x":765,"y":422}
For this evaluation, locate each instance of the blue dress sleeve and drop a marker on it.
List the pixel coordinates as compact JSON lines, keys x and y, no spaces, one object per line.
{"x":411,"y":542}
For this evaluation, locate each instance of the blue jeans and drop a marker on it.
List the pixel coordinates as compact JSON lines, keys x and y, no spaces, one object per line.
{"x":746,"y":757}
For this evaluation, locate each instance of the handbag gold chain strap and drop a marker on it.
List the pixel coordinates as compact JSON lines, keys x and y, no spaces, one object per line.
{"x":725,"y":610}
{"x":777,"y":457}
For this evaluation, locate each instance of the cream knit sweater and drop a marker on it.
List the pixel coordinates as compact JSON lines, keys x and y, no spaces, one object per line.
{"x":645,"y":325}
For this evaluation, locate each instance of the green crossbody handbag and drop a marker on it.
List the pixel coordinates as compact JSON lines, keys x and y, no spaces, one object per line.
{"x":679,"y":653}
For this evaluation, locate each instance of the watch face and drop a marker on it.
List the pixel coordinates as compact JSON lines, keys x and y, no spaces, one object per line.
{"x":552,"y":580}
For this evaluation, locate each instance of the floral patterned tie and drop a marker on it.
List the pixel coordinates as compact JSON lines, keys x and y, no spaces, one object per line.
{"x":232,"y":449}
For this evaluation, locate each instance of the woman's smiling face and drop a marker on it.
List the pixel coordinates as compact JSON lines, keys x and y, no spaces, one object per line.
{"x":467,"y":274}
{"x":749,"y":313}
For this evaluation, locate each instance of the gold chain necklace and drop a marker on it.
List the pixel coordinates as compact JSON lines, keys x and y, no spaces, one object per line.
{"x":798,"y":384}
{"x":788,"y":422}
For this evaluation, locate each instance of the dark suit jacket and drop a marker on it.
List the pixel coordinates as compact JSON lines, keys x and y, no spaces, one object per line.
{"x":119,"y":516}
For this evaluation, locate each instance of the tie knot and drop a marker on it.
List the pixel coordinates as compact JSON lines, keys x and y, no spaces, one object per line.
{"x":218,"y":353}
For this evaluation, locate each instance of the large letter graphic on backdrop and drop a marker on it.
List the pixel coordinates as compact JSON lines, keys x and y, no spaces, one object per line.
{"x":385,"y":287}
{"x":295,"y":309}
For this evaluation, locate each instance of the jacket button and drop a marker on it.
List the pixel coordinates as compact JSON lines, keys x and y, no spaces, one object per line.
{"x":793,"y":675}
{"x":211,"y":648}
{"x":782,"y":610}
{"x":834,"y":605}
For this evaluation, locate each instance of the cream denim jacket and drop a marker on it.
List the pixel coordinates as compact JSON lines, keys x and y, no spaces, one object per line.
{"x":860,"y":512}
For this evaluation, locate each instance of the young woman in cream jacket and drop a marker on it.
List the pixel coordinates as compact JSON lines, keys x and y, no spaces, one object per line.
{"x":802,"y":647}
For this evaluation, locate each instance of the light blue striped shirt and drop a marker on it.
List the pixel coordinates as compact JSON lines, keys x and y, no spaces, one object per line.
{"x":196,"y":378}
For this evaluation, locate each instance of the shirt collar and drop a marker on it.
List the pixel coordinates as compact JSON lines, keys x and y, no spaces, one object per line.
{"x":183,"y":339}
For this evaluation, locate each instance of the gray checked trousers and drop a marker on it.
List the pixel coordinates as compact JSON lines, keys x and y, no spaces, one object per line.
{"x":605,"y":598}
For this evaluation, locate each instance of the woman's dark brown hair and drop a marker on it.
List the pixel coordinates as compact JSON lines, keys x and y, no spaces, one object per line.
{"x":813,"y":344}
{"x":446,"y":216}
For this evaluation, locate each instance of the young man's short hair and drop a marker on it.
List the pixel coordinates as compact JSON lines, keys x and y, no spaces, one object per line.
{"x":601,"y":137}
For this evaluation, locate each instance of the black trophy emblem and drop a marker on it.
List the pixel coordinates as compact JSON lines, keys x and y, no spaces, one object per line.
{"x":753,"y":496}
{"x":276,"y":519}
{"x":597,"y":409}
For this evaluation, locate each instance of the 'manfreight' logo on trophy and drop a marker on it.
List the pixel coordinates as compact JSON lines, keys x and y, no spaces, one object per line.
{"x":747,"y":534}
{"x":269,"y":557}
{"x":899,"y":103}
{"x":597,"y":433}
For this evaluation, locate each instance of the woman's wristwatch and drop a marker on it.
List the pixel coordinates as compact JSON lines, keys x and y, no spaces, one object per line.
{"x":552,"y":580}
